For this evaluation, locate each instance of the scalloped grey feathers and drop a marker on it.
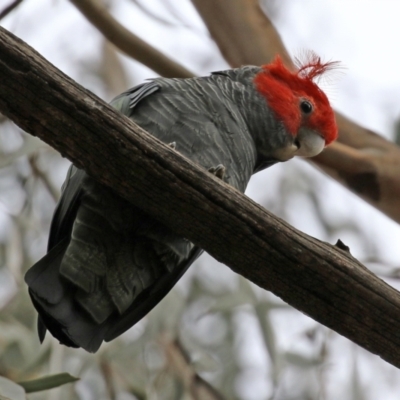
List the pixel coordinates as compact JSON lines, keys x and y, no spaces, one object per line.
{"x":109,"y":263}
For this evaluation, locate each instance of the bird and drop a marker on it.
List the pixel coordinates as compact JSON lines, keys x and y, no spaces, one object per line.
{"x":108,"y":263}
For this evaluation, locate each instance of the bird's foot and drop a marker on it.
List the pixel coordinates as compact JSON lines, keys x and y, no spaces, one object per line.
{"x":172,"y":145}
{"x":218,"y":171}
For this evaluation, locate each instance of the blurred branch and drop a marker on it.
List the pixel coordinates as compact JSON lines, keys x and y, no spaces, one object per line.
{"x":171,"y":7}
{"x":36,"y":171}
{"x":242,"y":32}
{"x":9,"y":8}
{"x":180,"y":364}
{"x":107,"y":373}
{"x":14,"y":255}
{"x":55,"y":365}
{"x":363,"y":161}
{"x":323,"y":281}
{"x":146,"y":10}
{"x":111,"y":70}
{"x":128,"y":42}
{"x":30,"y":146}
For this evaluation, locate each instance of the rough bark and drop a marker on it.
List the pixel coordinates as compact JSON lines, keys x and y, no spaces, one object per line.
{"x":363,"y":161}
{"x":321,"y":280}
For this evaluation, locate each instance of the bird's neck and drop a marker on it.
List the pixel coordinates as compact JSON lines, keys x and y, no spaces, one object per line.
{"x":263,"y":126}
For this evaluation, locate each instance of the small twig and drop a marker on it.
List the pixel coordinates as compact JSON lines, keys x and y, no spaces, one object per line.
{"x":178,"y":18}
{"x":112,"y":70}
{"x":9,"y":8}
{"x":54,"y":192}
{"x":107,"y":373}
{"x":55,"y":366}
{"x":128,"y":42}
{"x":180,"y":364}
{"x":151,"y":14}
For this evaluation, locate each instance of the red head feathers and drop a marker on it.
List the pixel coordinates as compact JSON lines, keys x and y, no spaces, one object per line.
{"x":296,"y":99}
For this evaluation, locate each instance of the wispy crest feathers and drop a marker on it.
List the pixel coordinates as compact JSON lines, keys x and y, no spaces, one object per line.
{"x":283,"y":89}
{"x":310,"y":66}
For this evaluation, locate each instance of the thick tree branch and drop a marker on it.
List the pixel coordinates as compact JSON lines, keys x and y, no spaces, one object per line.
{"x":129,"y":43}
{"x":316,"y":278}
{"x":245,"y":35}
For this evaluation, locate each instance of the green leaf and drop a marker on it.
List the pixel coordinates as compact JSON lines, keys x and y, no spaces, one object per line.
{"x":302,"y":361}
{"x":138,"y":392}
{"x":10,"y":390}
{"x":47,"y":382}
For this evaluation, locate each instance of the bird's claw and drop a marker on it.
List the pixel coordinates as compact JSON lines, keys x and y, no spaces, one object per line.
{"x":172,"y":145}
{"x":218,"y":171}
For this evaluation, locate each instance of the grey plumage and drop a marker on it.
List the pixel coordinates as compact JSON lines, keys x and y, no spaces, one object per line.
{"x":109,"y":263}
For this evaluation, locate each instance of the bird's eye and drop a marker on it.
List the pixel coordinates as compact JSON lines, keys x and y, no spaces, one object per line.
{"x":306,"y":107}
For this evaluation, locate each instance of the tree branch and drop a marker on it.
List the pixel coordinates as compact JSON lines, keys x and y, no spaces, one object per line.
{"x":179,"y":363}
{"x":36,"y":171}
{"x":10,"y":8}
{"x":319,"y":279}
{"x":245,"y":35}
{"x":128,"y":42}
{"x":242,"y":32}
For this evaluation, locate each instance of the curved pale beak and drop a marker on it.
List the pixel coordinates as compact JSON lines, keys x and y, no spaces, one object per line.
{"x":309,"y":143}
